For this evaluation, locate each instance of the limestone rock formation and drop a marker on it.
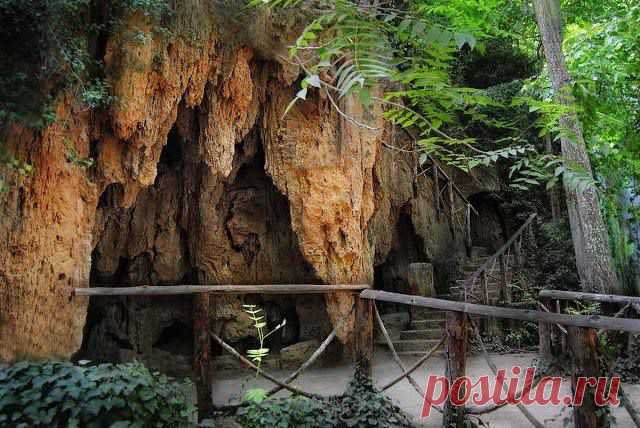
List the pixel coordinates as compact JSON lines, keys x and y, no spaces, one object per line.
{"x":197,"y":178}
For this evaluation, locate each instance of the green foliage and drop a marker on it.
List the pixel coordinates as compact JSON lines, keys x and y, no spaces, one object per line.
{"x":627,"y":363}
{"x":49,"y":47}
{"x":602,"y":48}
{"x":360,"y":406}
{"x":11,"y":163}
{"x":525,"y":336}
{"x":255,"y":395}
{"x":353,"y":48}
{"x":95,"y":94}
{"x":550,"y":261}
{"x":75,"y":158}
{"x":260,"y":324}
{"x":61,"y":394}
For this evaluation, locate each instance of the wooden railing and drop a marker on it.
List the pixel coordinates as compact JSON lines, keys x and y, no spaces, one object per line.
{"x":502,"y":258}
{"x":363,"y":331}
{"x":364,"y":311}
{"x":167,"y":290}
{"x":459,"y":323}
{"x":546,"y":347}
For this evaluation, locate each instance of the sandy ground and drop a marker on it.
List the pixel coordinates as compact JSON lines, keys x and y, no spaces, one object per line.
{"x":231,"y":385}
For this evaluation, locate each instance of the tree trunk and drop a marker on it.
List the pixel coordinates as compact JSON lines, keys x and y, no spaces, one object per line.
{"x":585,"y":364}
{"x":455,"y":353}
{"x":590,"y":238}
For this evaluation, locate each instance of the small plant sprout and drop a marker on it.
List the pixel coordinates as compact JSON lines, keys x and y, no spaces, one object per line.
{"x":260,"y":324}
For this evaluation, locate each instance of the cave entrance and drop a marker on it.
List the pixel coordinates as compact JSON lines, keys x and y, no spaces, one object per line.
{"x":393,"y":274}
{"x":194,"y":227}
{"x":488,"y":228}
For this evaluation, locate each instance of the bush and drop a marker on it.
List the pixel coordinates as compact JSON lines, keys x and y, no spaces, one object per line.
{"x":360,"y":406}
{"x":551,"y":261}
{"x":61,"y":394}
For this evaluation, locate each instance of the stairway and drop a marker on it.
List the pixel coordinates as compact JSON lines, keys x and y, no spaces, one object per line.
{"x":422,"y":334}
{"x":426,"y":328}
{"x":479,"y":256}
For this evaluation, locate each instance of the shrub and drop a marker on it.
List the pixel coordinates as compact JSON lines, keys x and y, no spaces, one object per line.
{"x":61,"y":394}
{"x":360,"y":406}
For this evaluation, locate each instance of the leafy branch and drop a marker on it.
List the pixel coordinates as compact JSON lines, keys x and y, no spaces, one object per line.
{"x":260,"y":324}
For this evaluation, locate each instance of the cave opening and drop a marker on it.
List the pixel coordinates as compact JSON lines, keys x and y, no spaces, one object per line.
{"x":176,"y":338}
{"x":194,"y":227}
{"x":489,"y":228}
{"x":393,"y":274}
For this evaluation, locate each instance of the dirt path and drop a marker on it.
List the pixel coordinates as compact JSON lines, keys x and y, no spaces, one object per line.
{"x":231,"y":385}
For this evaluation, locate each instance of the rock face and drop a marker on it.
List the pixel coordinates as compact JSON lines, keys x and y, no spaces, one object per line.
{"x":197,"y":178}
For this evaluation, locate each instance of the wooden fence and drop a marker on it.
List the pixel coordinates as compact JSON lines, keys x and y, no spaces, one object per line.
{"x":458,"y":324}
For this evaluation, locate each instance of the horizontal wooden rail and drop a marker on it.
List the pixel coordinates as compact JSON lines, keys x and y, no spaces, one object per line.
{"x":167,"y":290}
{"x":468,"y":283}
{"x":592,"y":321}
{"x":593,"y":297}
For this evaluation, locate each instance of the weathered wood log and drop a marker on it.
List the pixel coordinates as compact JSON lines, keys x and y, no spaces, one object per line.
{"x":468,"y":284}
{"x":436,"y":189}
{"x":293,"y":376}
{"x":455,"y":367}
{"x":201,"y":354}
{"x":452,"y":208}
{"x":583,"y":342}
{"x":259,"y":371}
{"x":494,"y":369}
{"x":622,"y":310}
{"x":323,"y":346}
{"x":394,"y":354}
{"x":545,"y":350}
{"x":592,"y":321}
{"x":414,"y":367}
{"x":165,"y":290}
{"x":363,"y":336}
{"x":505,"y":290}
{"x":544,"y":308}
{"x":593,"y":297}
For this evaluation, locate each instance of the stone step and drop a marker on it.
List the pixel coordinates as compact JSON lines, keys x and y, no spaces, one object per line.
{"x":426,"y":313}
{"x":493,"y":295}
{"x":438,"y":353}
{"x":429,"y":333}
{"x":474,"y":264}
{"x":476,"y":290}
{"x":427,"y":324}
{"x":416,"y":345}
{"x":479,"y":251}
{"x":490,"y":283}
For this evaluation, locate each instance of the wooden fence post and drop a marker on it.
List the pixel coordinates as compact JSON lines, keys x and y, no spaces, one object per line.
{"x":544,"y":336}
{"x":455,"y":352}
{"x":504,"y":286}
{"x":436,"y":189}
{"x":583,"y":342}
{"x":363,"y":332}
{"x":201,"y":353}
{"x":452,"y":208}
{"x":484,"y":282}
{"x":467,"y":229}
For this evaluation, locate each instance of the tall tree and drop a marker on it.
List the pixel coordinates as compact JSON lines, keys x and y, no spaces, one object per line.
{"x":590,"y":238}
